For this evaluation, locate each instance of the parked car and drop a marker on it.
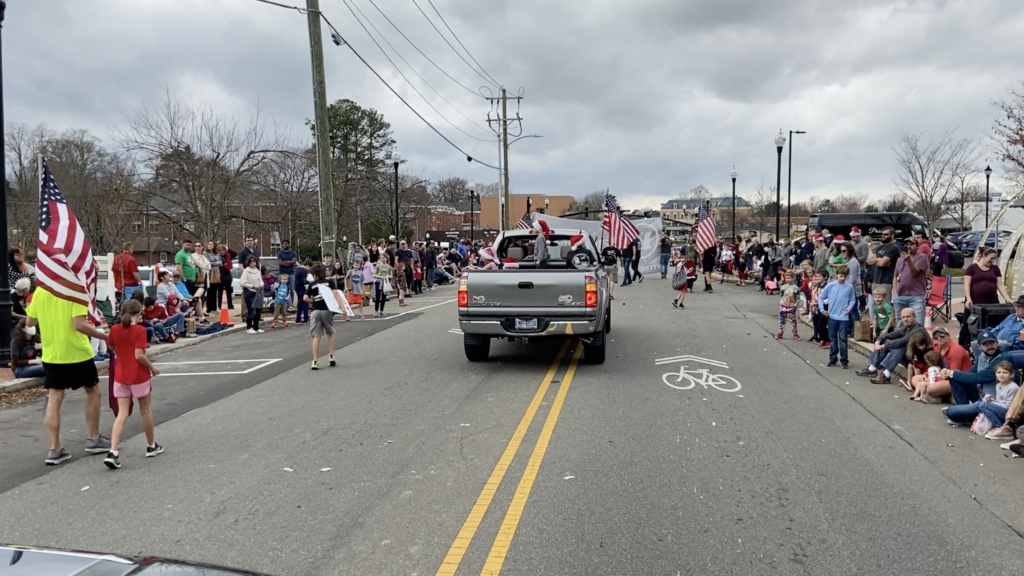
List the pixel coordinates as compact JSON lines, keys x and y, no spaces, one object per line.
{"x":57,"y":562}
{"x":969,"y":244}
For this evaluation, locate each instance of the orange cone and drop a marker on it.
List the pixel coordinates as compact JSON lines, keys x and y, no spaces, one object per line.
{"x":224,"y":318}
{"x":928,"y":320}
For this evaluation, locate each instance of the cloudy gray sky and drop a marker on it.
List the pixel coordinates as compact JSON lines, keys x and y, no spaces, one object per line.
{"x":648,"y":97}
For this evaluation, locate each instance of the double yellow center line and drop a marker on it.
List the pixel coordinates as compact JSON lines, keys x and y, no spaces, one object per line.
{"x":499,"y":549}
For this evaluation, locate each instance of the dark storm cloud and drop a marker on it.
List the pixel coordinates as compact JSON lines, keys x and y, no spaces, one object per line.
{"x":648,"y":98}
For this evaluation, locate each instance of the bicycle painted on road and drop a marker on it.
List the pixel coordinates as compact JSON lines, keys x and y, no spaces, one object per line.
{"x":687,"y":379}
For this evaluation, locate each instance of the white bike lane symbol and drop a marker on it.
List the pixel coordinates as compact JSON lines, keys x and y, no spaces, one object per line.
{"x":687,"y":379}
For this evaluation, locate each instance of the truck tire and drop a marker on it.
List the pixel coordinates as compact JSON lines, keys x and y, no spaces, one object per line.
{"x":593,"y":353}
{"x":478,"y":348}
{"x":608,"y":321}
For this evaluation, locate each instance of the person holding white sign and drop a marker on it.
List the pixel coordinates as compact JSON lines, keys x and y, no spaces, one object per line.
{"x":321,"y":297}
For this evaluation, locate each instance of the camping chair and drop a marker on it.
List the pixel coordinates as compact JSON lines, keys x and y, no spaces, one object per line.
{"x":939,"y":298}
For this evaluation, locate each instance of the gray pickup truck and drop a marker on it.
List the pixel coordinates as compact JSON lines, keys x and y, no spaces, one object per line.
{"x":523,"y":303}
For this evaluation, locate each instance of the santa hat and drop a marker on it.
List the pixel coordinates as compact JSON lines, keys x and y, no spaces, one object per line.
{"x":839,"y":239}
{"x":854,"y":232}
{"x":818,"y":237}
{"x":542,"y":227}
{"x":576,"y":241}
{"x":489,"y":254}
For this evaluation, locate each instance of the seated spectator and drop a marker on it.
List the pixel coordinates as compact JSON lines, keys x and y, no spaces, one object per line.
{"x":165,"y":327}
{"x":993,"y":406}
{"x":166,"y":288}
{"x":890,"y":348}
{"x":1008,"y":331}
{"x":26,"y":352}
{"x":954,"y":357}
{"x":918,"y":345}
{"x":1011,"y":424}
{"x":182,"y":287}
{"x":980,"y":381}
{"x":22,"y":288}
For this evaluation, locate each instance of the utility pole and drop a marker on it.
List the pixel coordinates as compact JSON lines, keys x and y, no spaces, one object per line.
{"x":6,"y":318}
{"x":325,"y":173}
{"x":504,"y":136}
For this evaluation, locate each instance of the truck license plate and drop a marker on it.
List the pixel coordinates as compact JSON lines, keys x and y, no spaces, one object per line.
{"x":526,"y":324}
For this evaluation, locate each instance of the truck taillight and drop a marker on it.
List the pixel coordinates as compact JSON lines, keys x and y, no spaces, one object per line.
{"x":591,"y":298}
{"x":464,"y":291}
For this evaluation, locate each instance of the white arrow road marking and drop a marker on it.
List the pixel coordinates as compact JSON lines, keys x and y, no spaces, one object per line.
{"x":690,"y":358}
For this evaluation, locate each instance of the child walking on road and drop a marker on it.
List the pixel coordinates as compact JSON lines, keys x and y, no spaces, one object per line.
{"x":789,"y":296}
{"x":321,"y":319}
{"x":132,"y":380}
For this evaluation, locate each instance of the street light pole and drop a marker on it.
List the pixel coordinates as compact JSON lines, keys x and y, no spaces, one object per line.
{"x":5,"y":282}
{"x":789,"y":183}
{"x":733,"y":175}
{"x":780,"y":141}
{"x":472,"y":223}
{"x":988,"y":175}
{"x":396,"y":159}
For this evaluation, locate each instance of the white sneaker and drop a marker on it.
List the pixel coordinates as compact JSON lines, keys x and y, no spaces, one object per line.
{"x":250,"y":331}
{"x":1008,"y":444}
{"x":260,"y":331}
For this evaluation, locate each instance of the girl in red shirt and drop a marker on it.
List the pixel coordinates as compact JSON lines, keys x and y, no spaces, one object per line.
{"x":132,"y":379}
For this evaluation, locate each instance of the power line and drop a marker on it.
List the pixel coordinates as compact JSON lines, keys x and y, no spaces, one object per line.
{"x":351,"y":4}
{"x":406,"y":78}
{"x":454,"y":35}
{"x":279,"y":5}
{"x":399,"y":96}
{"x":459,"y":54}
{"x":443,"y":71}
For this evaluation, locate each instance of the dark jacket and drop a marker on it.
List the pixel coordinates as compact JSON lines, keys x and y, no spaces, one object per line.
{"x":430,"y":258}
{"x":899,"y":337}
{"x":987,"y":375}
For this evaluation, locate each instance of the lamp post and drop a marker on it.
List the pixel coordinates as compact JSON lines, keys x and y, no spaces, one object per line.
{"x":396,"y":159}
{"x":732,"y":174}
{"x":988,"y":175}
{"x":789,"y":183}
{"x":780,"y":141}
{"x":5,"y":283}
{"x":472,"y":227}
{"x":547,"y":204}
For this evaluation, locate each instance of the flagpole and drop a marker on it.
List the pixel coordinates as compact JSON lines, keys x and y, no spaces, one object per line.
{"x":5,"y":282}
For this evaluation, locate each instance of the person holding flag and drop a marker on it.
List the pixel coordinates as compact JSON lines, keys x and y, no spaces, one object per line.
{"x":65,"y":310}
{"x":706,"y":245}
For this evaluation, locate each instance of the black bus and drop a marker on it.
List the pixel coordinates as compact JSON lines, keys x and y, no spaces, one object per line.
{"x":870,"y":223}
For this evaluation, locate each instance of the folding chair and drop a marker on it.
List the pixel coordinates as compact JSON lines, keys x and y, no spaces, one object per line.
{"x":939,"y":298}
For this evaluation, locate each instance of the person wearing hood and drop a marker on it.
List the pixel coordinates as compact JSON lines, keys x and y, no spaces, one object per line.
{"x":540,"y":245}
{"x":580,"y":256}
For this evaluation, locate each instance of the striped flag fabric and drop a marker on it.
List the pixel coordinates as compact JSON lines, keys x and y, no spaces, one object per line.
{"x":705,"y":229}
{"x":64,"y":262}
{"x":621,"y":232}
{"x":525,"y":223}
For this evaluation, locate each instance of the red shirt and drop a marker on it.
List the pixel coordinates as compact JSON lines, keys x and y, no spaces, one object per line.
{"x":124,"y":342}
{"x":417,"y":274}
{"x":691,"y":269}
{"x":956,"y":357}
{"x":158,"y":313}
{"x":124,"y":269}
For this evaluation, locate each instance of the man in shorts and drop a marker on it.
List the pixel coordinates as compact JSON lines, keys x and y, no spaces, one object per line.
{"x":68,"y":364}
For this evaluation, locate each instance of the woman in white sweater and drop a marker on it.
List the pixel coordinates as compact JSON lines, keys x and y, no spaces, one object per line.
{"x":252,"y":291}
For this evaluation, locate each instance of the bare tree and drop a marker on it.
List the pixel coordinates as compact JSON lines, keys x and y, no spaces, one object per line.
{"x":201,"y":163}
{"x":450,"y":189}
{"x":965,"y":201}
{"x":895,"y":202}
{"x":288,"y":185}
{"x":926,"y":172}
{"x":848,"y":203}
{"x":22,"y":148}
{"x":1008,"y":133}
{"x":762,"y":207}
{"x":492,"y":189}
{"x":592,"y":202}
{"x":698,"y":194}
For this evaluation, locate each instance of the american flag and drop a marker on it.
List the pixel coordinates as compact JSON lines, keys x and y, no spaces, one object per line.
{"x":621,"y":232}
{"x":64,"y":266}
{"x":525,"y":223}
{"x":705,"y":229}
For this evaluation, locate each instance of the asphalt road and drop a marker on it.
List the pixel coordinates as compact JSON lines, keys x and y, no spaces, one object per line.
{"x":534,"y":464}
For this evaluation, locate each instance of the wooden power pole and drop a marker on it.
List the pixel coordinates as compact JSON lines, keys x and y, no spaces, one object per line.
{"x":504,"y":139}
{"x":325,"y":173}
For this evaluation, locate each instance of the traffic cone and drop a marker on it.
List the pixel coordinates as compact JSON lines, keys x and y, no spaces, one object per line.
{"x":224,"y":318}
{"x":928,"y":320}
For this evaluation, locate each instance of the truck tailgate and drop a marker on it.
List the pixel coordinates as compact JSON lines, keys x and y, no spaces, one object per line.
{"x":550,"y":292}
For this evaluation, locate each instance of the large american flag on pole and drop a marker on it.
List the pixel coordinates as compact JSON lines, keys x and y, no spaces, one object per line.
{"x":705,"y":229}
{"x":525,"y":223}
{"x":64,"y":263}
{"x":621,"y":232}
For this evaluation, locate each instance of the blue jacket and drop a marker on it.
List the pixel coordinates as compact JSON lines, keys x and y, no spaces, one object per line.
{"x":1009,"y":330}
{"x":841,"y":300}
{"x":983,"y":375}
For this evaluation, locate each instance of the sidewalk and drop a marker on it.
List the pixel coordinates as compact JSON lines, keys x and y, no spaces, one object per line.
{"x":8,"y":383}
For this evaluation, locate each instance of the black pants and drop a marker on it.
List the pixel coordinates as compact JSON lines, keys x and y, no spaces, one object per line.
{"x":380,"y":297}
{"x":231,"y":292}
{"x":254,"y":309}
{"x":213,"y":295}
{"x":636,"y":269}
{"x":820,"y":322}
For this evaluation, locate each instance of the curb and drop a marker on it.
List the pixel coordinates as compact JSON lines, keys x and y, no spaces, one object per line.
{"x":862,"y":348}
{"x":23,"y":383}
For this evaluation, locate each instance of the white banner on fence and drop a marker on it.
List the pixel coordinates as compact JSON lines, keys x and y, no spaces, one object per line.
{"x":650,"y":232}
